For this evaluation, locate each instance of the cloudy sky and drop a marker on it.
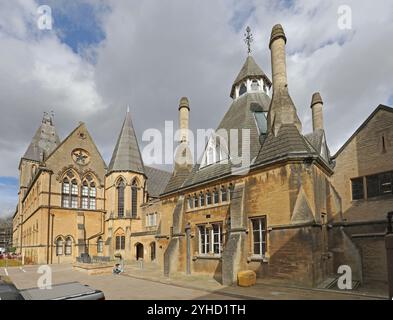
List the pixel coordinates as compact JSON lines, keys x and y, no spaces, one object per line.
{"x":102,"y":55}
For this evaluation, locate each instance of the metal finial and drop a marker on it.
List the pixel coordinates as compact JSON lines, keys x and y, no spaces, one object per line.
{"x":249,"y":39}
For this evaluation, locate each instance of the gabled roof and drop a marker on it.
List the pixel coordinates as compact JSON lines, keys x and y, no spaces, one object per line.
{"x":127,"y":156}
{"x":239,"y":116}
{"x":316,"y":139}
{"x":379,"y":108}
{"x":157,"y":180}
{"x":250,"y":69}
{"x":44,"y":141}
{"x":287,"y":142}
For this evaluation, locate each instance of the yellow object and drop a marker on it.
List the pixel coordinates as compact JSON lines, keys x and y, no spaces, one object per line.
{"x":246,"y":278}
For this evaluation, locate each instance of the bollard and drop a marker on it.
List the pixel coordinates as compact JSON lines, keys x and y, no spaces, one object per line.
{"x":389,"y":253}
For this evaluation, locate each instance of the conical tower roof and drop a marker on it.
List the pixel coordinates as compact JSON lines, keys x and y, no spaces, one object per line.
{"x":127,"y":156}
{"x":250,"y":69}
{"x":44,"y":141}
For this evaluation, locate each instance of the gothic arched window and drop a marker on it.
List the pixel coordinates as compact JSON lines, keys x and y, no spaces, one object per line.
{"x":196,"y":201}
{"x":202,"y":199}
{"x":224,"y":194}
{"x":208,"y":198}
{"x":92,"y":196}
{"x":216,"y":196}
{"x":74,"y":194}
{"x":120,"y":198}
{"x":68,"y":246}
{"x":65,"y":193}
{"x":59,"y":247}
{"x":134,"y":199}
{"x":100,"y":245}
{"x":85,"y":195}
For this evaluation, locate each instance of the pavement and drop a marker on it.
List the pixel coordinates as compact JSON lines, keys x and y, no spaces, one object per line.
{"x":147,"y":283}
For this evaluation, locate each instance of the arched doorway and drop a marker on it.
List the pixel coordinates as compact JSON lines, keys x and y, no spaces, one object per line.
{"x":139,"y":251}
{"x":152,"y":251}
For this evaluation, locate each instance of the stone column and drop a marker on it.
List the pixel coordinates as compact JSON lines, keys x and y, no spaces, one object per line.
{"x":233,"y":259}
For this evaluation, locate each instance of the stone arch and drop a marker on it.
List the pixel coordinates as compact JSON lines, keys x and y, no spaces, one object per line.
{"x":68,"y":172}
{"x":139,"y":251}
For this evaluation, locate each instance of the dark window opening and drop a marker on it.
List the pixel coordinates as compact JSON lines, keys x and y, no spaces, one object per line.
{"x":120,"y":242}
{"x":120,"y":199}
{"x":134,"y":199}
{"x":357,"y":189}
{"x":243,"y":89}
{"x":379,"y":184}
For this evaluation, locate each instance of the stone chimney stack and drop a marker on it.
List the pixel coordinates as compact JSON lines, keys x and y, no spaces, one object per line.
{"x":184,"y":114}
{"x":183,"y":155}
{"x":277,"y":44}
{"x":317,"y":112}
{"x":282,"y":109}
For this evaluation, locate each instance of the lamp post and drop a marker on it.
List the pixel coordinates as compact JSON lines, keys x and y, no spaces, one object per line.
{"x":389,"y":253}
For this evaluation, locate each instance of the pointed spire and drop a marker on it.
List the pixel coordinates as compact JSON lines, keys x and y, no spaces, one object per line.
{"x":250,"y":70}
{"x":127,"y":156}
{"x":44,"y":141}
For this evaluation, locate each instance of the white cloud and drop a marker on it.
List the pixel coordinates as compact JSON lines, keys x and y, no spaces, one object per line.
{"x":158,"y":51}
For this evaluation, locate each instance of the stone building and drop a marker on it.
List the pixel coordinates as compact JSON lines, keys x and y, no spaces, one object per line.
{"x":363,"y":177}
{"x":5,"y":235}
{"x":274,"y":201}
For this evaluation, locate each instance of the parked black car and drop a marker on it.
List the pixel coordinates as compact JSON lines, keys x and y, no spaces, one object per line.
{"x":65,"y":291}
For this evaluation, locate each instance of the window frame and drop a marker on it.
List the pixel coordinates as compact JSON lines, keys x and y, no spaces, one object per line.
{"x":59,"y":247}
{"x":120,"y":189}
{"x":68,"y":246}
{"x":100,"y":245}
{"x":360,"y":193}
{"x":262,"y":233}
{"x":134,"y":199}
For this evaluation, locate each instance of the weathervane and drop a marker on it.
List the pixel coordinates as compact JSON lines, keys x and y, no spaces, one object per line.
{"x":249,"y":39}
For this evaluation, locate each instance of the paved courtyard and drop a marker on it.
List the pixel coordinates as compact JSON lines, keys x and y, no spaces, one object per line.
{"x":147,"y":283}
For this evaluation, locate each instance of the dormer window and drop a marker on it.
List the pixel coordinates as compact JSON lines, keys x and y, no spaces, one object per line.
{"x":215,"y":152}
{"x":261,"y":119}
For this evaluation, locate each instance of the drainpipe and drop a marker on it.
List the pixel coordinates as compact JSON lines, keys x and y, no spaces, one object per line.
{"x":51,"y":240}
{"x":49,"y":204}
{"x":389,"y":253}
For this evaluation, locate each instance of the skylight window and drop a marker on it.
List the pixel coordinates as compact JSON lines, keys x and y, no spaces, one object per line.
{"x":261,"y":119}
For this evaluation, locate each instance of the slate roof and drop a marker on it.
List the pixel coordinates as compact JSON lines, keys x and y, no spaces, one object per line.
{"x":316,"y":138}
{"x":127,"y":156}
{"x":176,"y":180}
{"x":287,"y":142}
{"x":44,"y":141}
{"x":239,"y":116}
{"x":157,"y":180}
{"x":250,"y":69}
